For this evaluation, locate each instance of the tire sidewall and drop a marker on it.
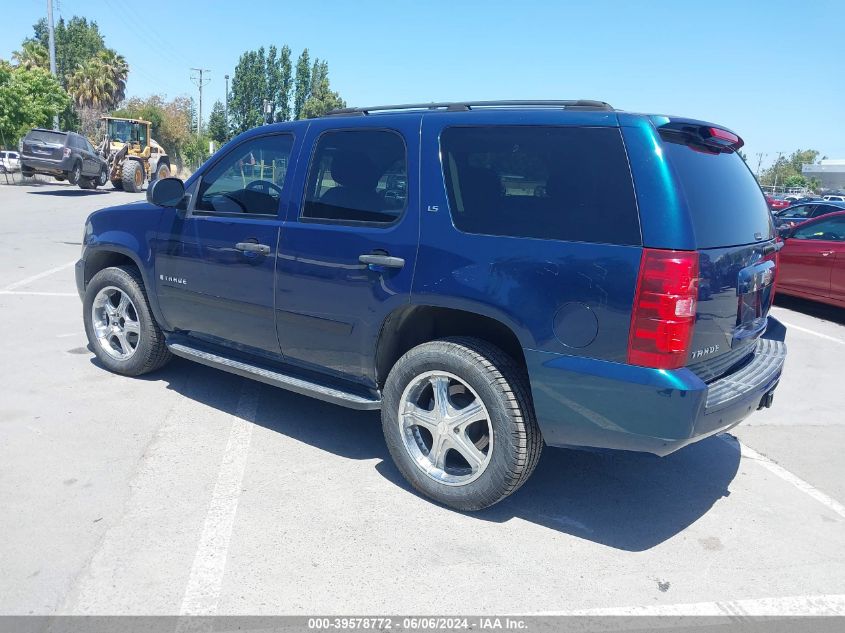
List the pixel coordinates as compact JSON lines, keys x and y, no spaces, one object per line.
{"x":493,"y":483}
{"x":74,"y":174}
{"x":103,"y":177}
{"x":121,"y":279}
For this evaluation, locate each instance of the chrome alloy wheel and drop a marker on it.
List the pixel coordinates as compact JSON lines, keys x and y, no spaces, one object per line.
{"x":445,"y":428}
{"x":115,"y":322}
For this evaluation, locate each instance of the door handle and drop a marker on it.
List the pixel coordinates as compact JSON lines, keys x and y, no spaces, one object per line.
{"x":252,"y":247}
{"x":385,"y":261}
{"x":826,"y":253}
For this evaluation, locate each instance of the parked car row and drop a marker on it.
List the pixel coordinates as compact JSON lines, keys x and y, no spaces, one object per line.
{"x":798,"y":213}
{"x":9,"y":162}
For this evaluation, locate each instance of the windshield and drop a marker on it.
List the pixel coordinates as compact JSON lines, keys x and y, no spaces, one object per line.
{"x":126,"y":131}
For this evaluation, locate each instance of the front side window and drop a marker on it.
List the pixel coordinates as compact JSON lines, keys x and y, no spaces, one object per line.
{"x":800,"y":211}
{"x":830,"y":230}
{"x":249,"y":179}
{"x":357,"y":176}
{"x":555,"y":183}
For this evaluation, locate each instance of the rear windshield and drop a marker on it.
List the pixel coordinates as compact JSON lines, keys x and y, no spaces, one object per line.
{"x":726,"y":203}
{"x":553,"y":183}
{"x":46,"y":136}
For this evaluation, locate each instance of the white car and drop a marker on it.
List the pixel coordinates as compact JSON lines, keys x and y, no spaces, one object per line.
{"x":9,"y":161}
{"x":836,"y":198}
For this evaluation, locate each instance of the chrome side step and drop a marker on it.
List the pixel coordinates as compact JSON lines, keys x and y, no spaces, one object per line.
{"x":275,"y":378}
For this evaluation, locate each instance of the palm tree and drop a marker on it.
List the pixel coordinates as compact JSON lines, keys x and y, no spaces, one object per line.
{"x":117,"y":69}
{"x":32,"y":55}
{"x":99,"y":83}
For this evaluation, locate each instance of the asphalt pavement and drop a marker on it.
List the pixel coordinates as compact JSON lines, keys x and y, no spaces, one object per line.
{"x":195,"y":491}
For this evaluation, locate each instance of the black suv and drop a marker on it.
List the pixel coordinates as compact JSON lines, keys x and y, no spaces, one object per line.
{"x":65,"y":156}
{"x":492,"y":276}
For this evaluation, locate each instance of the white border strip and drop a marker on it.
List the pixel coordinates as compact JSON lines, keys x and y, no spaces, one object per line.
{"x":202,"y":593}
{"x":822,"y":605}
{"x":46,"y":273}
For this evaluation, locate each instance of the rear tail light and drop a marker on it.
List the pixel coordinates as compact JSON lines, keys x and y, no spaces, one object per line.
{"x":67,"y":152}
{"x":663,"y":314}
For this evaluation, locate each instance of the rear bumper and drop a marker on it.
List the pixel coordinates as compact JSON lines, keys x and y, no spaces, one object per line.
{"x":592,"y":403}
{"x":47,"y":165}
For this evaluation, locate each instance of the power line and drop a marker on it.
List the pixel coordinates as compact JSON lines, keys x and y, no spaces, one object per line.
{"x":199,"y":82}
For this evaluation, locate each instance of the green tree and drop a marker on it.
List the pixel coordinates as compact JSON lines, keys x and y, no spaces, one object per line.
{"x":218,"y":129}
{"x":279,"y":82}
{"x":322,"y":98}
{"x":77,"y":41}
{"x":196,"y":150}
{"x":28,"y":98}
{"x":99,"y":83}
{"x":302,"y":83}
{"x":249,"y":89}
{"x":32,"y":55}
{"x":787,"y":169}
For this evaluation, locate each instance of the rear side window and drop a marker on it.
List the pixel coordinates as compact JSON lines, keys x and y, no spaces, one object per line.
{"x":357,"y":176}
{"x":554,"y":183}
{"x":724,"y":199}
{"x":46,"y":136}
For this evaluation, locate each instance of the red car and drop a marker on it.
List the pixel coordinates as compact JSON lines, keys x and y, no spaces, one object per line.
{"x":812,"y":260}
{"x":776,"y":204}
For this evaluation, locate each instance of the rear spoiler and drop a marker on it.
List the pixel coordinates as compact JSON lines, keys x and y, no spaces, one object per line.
{"x":698,"y":132}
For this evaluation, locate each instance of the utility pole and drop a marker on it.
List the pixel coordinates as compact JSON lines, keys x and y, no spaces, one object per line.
{"x":777,"y":170}
{"x":200,"y":83}
{"x":52,"y":43}
{"x":760,"y":156}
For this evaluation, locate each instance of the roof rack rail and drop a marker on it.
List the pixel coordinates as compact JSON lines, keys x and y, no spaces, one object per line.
{"x":463,"y":106}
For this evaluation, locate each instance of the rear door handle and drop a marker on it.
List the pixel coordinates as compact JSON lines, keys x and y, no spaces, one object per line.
{"x":252,"y":247}
{"x":385,"y":261}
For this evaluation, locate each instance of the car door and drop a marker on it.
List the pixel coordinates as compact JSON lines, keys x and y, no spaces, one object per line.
{"x":216,"y":263}
{"x":349,"y":245}
{"x":807,"y":259}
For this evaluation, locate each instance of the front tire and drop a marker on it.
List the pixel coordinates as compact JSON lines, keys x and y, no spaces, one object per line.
{"x":133,"y":176}
{"x":459,"y":423}
{"x":119,"y":324}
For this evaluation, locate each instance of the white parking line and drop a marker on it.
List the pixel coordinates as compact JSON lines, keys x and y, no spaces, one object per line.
{"x":813,"y":332}
{"x":749,"y":453}
{"x":202,"y":593}
{"x":822,"y":605}
{"x":38,"y":294}
{"x":46,"y":273}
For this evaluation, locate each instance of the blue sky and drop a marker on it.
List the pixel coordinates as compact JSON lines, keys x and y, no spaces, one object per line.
{"x":772,"y":70}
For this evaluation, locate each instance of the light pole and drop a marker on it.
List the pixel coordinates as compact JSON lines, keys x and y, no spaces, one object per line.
{"x":226,"y":101}
{"x":51,"y":39}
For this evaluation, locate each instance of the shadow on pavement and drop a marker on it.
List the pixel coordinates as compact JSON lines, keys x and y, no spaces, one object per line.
{"x":72,"y":193}
{"x":811,"y":308}
{"x":628,"y":501}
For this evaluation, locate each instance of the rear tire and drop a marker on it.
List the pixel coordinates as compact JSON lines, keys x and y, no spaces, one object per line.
{"x":87,"y":183}
{"x":145,"y":349}
{"x":492,"y":390}
{"x":75,"y":173}
{"x":162,"y":171}
{"x":59,"y":178}
{"x":133,"y":176}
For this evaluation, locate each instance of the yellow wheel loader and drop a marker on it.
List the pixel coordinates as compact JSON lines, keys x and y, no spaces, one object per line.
{"x":133,"y":156}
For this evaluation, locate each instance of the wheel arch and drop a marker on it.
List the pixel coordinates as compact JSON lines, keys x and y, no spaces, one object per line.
{"x":108,"y":255}
{"x":412,"y":325}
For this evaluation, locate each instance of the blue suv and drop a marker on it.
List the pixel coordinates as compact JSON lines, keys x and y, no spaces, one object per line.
{"x":492,"y":276}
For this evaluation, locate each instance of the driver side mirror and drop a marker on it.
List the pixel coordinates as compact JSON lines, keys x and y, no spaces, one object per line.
{"x":786,"y":232}
{"x":166,"y":192}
